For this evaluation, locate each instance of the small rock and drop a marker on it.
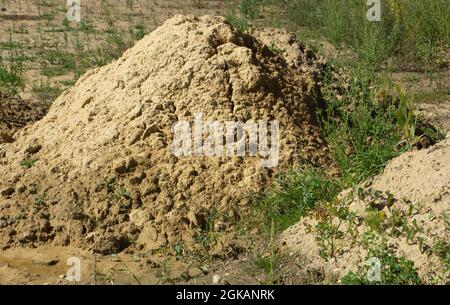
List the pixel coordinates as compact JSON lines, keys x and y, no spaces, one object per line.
{"x":195,"y":272}
{"x":34,"y":148}
{"x":46,"y":261}
{"x":150,"y":130}
{"x":8,"y":191}
{"x":216,"y":279}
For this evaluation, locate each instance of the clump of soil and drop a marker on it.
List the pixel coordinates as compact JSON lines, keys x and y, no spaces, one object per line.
{"x":406,"y":209}
{"x":98,"y":171}
{"x":15,"y":114}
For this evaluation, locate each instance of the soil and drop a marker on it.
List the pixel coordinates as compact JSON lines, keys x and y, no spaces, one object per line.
{"x":37,"y":29}
{"x":103,"y":174}
{"x":414,"y":186}
{"x":15,"y":114}
{"x":100,"y":179}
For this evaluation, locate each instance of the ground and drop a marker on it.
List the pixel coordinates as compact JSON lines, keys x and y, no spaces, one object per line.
{"x":55,"y":54}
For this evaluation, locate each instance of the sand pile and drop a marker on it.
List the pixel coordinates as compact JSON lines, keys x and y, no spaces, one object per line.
{"x":406,"y":208}
{"x":99,"y":172}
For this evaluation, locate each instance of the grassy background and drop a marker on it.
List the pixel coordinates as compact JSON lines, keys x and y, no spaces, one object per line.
{"x":412,"y":34}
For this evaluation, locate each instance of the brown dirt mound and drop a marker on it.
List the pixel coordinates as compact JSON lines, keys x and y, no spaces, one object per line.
{"x":15,"y":114}
{"x":101,"y":170}
{"x":407,"y":207}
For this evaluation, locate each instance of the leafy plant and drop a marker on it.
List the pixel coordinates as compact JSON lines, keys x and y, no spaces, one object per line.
{"x":394,"y":271}
{"x":335,"y":225}
{"x":27,"y":163}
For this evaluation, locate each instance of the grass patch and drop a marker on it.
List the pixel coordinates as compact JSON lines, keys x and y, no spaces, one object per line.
{"x":294,"y":195}
{"x":410,"y":31}
{"x":11,"y":70}
{"x":363,"y":123}
{"x":45,"y":91}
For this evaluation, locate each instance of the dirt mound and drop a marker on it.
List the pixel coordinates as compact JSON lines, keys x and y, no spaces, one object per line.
{"x":99,"y":172}
{"x":16,"y":113}
{"x":406,"y":209}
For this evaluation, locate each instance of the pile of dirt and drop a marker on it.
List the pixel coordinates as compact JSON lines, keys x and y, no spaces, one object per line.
{"x":405,"y":209}
{"x":99,"y":172}
{"x":15,"y":114}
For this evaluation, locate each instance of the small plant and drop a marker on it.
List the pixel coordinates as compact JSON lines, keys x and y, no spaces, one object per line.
{"x":27,"y":163}
{"x":406,"y":119}
{"x":45,"y":91}
{"x":130,"y":4}
{"x":11,"y":70}
{"x":295,"y":194}
{"x":269,"y":263}
{"x":335,"y":226}
{"x":441,"y":248}
{"x":123,"y":198}
{"x":394,"y":271}
{"x":274,"y":49}
{"x":374,"y":220}
{"x":39,"y":200}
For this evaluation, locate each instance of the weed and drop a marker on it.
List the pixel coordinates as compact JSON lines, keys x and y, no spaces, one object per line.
{"x":123,"y":198}
{"x":335,"y":225}
{"x":27,"y":163}
{"x":296,"y":193}
{"x":44,"y":91}
{"x":441,"y":248}
{"x":410,"y":30}
{"x":374,"y":220}
{"x":269,"y":263}
{"x":394,"y":271}
{"x":40,"y":199}
{"x":363,"y":124}
{"x":11,"y":70}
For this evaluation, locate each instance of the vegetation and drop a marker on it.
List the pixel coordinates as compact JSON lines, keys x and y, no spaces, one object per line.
{"x":393,"y":271}
{"x":411,"y":33}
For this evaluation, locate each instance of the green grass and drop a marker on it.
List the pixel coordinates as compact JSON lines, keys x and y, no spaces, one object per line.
{"x":410,"y":31}
{"x":11,"y":70}
{"x":295,"y":194}
{"x":363,"y":123}
{"x":412,"y":34}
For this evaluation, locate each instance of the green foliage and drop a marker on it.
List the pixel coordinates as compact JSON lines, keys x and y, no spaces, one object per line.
{"x":11,"y":70}
{"x":394,"y":271}
{"x":295,"y":194}
{"x":45,"y":91}
{"x":361,"y":123}
{"x":27,"y":163}
{"x":409,"y":30}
